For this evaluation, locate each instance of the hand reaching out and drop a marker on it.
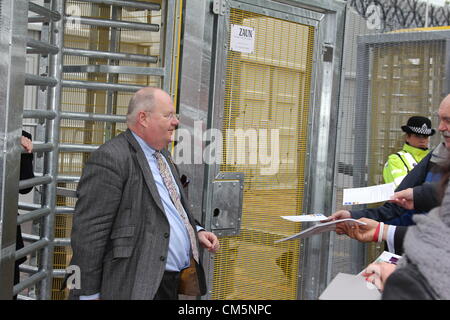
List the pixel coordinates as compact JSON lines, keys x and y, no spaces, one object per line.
{"x":338,"y":215}
{"x":404,"y":198}
{"x":363,"y":233}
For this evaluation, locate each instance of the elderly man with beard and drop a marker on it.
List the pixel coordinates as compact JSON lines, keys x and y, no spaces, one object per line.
{"x":420,"y":184}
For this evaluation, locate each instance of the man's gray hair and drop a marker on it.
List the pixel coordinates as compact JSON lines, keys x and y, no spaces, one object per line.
{"x":143,"y":100}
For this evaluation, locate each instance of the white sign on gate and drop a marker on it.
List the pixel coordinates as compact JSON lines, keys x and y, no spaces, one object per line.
{"x":242,"y":38}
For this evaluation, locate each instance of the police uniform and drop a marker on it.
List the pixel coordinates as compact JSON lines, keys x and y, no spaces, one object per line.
{"x":399,"y":164}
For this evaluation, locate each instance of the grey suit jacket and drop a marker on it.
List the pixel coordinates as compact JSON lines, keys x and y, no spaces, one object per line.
{"x":120,"y":233}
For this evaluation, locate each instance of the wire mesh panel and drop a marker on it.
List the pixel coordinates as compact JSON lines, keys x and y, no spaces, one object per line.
{"x":387,"y":79}
{"x":347,"y":255}
{"x":406,"y":80}
{"x":267,"y":91}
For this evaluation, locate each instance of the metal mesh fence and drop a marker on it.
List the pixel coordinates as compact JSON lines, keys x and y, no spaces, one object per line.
{"x":347,"y":255}
{"x":387,"y":77}
{"x":401,"y":14}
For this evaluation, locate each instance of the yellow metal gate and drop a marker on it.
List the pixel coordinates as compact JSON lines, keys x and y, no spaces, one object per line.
{"x":268,"y":89}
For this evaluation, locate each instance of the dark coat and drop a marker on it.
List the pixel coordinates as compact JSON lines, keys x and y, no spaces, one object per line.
{"x":407,"y":283}
{"x":26,"y":172}
{"x":424,"y":193}
{"x":389,"y":210}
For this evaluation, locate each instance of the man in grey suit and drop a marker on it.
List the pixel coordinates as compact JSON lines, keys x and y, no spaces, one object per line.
{"x":133,"y":236}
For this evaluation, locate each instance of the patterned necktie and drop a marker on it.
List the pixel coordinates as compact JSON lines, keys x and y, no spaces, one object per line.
{"x":170,"y":185}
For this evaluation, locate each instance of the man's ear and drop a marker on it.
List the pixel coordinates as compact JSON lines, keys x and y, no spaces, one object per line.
{"x":142,"y":116}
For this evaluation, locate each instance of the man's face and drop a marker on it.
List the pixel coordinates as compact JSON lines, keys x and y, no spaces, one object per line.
{"x":161,"y":122}
{"x":444,"y":121}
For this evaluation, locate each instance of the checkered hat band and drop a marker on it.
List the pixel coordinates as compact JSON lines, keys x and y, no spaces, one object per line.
{"x":421,"y":130}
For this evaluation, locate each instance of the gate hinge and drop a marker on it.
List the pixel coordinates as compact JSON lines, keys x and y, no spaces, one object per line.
{"x":219,"y":7}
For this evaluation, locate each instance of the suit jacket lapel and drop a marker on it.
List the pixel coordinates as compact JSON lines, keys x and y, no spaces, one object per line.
{"x":148,"y":176}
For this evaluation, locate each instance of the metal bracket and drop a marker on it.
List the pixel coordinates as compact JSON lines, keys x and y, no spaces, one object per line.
{"x":327,"y":52}
{"x":219,"y":7}
{"x":228,"y":191}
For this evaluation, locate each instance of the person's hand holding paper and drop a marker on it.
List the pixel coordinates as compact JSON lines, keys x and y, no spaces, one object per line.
{"x":365,"y":195}
{"x":363,"y":233}
{"x":404,"y":198}
{"x":320,"y":228}
{"x":338,"y":215}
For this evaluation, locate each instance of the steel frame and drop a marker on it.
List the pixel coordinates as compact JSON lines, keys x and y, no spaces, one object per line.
{"x":328,"y":19}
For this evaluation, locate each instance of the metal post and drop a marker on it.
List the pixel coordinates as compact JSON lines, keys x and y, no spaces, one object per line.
{"x":322,"y":150}
{"x":361,"y":114}
{"x":51,"y":161}
{"x":13,"y":26}
{"x":109,"y":55}
{"x":168,"y":12}
{"x":40,"y":135}
{"x":111,"y":97}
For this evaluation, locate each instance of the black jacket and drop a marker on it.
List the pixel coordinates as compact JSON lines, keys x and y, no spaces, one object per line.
{"x":388,"y":210}
{"x":407,"y":283}
{"x":26,"y":172}
{"x":425,"y":199}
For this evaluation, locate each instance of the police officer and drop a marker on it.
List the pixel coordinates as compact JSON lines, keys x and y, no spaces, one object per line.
{"x":418,"y":131}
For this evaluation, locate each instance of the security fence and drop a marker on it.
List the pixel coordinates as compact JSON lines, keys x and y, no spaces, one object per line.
{"x":388,"y":15}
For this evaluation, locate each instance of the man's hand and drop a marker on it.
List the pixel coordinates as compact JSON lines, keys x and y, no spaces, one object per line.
{"x":404,"y":198}
{"x":26,"y":144}
{"x":363,"y":233}
{"x":208,"y":240}
{"x":338,"y":215}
